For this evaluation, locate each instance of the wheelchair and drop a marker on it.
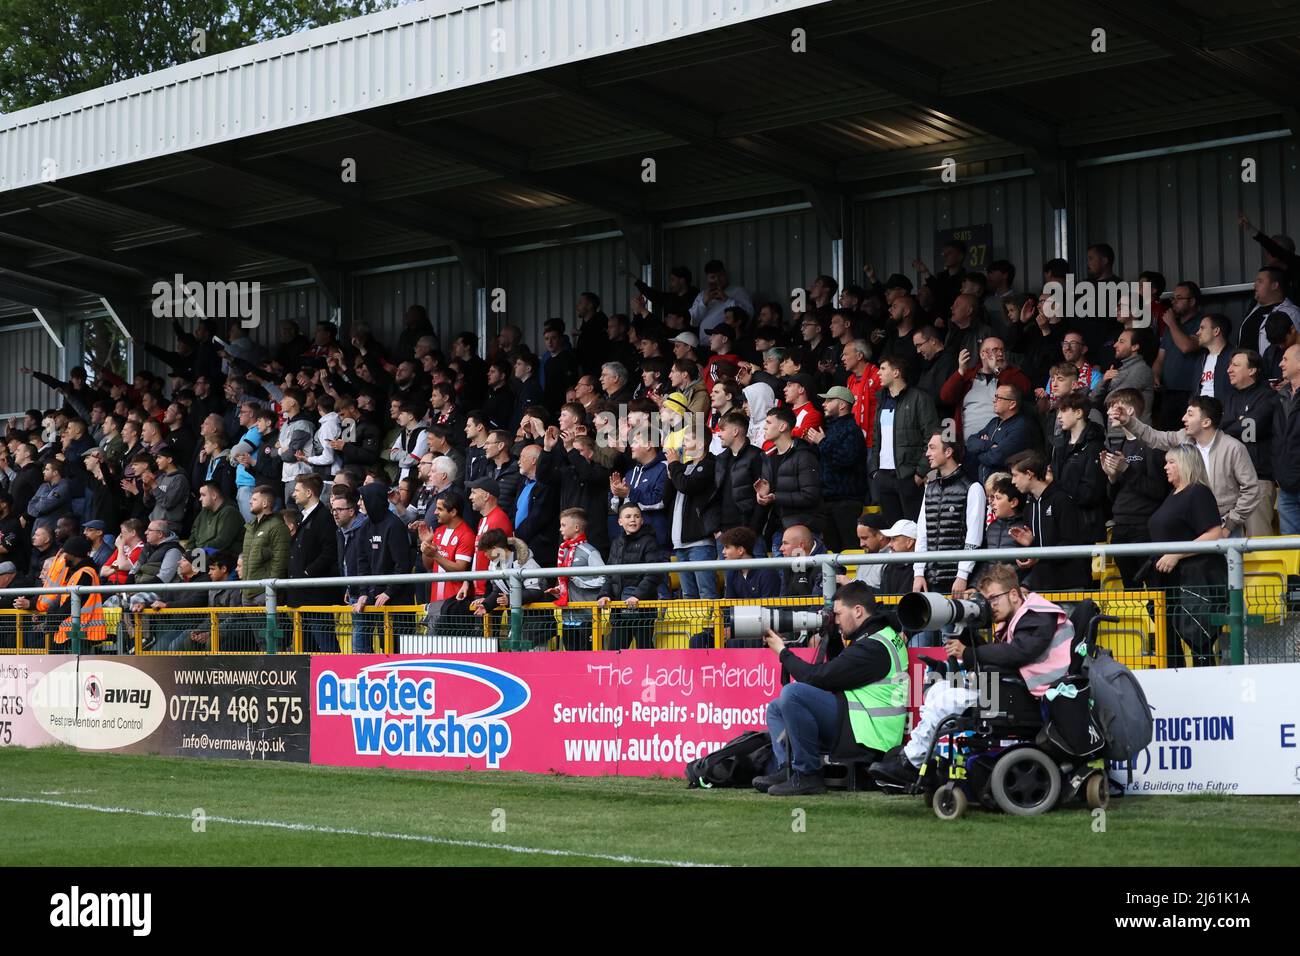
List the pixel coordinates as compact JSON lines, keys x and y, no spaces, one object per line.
{"x":1021,"y":755}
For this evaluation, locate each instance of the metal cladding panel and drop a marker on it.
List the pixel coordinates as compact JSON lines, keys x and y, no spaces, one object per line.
{"x":1178,"y":214}
{"x":377,"y":60}
{"x":769,"y":256}
{"x":305,"y":304}
{"x":892,"y":231}
{"x":27,"y":347}
{"x":445,"y":289}
{"x":541,"y":284}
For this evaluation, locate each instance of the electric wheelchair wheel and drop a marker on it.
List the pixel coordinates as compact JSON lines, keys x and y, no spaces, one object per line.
{"x":949,"y":802}
{"x":1026,"y":782}
{"x":1098,"y":792}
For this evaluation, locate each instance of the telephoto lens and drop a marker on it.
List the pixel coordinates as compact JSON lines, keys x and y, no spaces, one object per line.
{"x":923,"y":611}
{"x":754,"y":622}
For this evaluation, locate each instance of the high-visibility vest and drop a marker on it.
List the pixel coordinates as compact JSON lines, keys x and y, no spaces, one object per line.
{"x":92,"y":610}
{"x":58,"y":578}
{"x":878,"y":711}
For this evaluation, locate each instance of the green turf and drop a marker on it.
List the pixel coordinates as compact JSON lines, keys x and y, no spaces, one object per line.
{"x":645,"y":819}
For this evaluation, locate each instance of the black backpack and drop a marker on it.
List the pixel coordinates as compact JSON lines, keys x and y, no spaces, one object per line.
{"x":734,"y":765}
{"x":1120,"y":706}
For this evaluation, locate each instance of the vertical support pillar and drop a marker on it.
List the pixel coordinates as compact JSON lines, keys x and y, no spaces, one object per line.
{"x":1237,"y":606}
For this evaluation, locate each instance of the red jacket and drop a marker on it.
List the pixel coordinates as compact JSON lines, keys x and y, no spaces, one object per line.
{"x":496,"y":518}
{"x":954,"y":390}
{"x":864,"y":388}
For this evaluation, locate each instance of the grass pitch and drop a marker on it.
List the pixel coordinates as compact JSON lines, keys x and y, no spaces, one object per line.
{"x":59,"y":807}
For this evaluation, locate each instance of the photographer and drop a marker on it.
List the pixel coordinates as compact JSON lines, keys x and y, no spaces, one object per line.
{"x":853,"y":703}
{"x":1031,"y":635}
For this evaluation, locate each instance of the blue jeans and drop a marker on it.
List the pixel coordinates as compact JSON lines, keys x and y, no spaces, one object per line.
{"x":810,"y":718}
{"x":1288,"y":511}
{"x":244,"y":498}
{"x":365,"y":627}
{"x":697,"y":584}
{"x":318,"y":632}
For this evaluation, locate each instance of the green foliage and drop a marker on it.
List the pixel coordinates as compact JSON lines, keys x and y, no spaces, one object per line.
{"x":55,"y":48}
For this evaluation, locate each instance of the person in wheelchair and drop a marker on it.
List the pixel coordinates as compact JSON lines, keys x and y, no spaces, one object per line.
{"x":1031,"y":635}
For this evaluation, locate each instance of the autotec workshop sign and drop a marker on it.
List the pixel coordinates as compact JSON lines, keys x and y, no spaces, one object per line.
{"x":636,"y":713}
{"x":236,"y":706}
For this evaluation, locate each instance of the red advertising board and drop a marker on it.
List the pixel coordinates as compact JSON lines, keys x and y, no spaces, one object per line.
{"x":634,"y":713}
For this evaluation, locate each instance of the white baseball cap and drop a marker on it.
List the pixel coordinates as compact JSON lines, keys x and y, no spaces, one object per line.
{"x":686,"y":338}
{"x":905,"y":528}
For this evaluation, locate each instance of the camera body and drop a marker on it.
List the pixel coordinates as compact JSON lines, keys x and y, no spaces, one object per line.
{"x":752,"y":622}
{"x":925,"y":611}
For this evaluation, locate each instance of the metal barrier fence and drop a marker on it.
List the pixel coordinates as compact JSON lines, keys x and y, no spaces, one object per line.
{"x":1254,"y":619}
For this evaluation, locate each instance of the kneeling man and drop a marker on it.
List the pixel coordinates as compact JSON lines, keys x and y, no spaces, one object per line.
{"x":854,"y":703}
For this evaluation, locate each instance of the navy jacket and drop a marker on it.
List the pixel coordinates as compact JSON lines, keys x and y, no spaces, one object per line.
{"x":987,"y":450}
{"x":844,"y":460}
{"x":761,"y":583}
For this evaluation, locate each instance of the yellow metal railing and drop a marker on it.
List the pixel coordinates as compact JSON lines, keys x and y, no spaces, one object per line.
{"x":1139,"y":640}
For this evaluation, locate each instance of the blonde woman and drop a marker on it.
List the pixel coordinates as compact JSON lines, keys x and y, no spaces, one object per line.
{"x":1196,"y":584}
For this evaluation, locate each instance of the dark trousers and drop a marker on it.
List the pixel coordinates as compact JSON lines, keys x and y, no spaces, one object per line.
{"x":842,"y":524}
{"x":631,"y":624}
{"x":899,"y":498}
{"x":1129,"y":566}
{"x":319,"y":633}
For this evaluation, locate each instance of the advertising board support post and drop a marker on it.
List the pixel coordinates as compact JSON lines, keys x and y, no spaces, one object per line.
{"x":829,"y":567}
{"x":74,"y":605}
{"x":272,"y":629}
{"x":1237,"y":606}
{"x":516,"y":589}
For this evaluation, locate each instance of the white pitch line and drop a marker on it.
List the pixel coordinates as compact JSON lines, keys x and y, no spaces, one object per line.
{"x":345,"y":831}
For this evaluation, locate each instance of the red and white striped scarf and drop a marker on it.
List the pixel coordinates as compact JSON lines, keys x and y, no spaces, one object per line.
{"x":568,"y":548}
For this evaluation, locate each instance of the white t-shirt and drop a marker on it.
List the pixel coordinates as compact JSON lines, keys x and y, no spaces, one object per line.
{"x":1207,"y":375}
{"x":1205,"y":453}
{"x":887,"y":439}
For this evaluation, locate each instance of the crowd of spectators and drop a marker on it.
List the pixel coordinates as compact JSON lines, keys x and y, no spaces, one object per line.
{"x":699,"y":424}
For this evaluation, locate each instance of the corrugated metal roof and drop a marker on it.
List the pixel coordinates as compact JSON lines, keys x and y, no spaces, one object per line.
{"x":377,"y":60}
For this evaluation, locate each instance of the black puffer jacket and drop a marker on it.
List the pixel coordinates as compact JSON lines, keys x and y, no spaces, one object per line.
{"x":640,"y":548}
{"x":795,"y":478}
{"x":695,"y":487}
{"x":510,"y":482}
{"x":1076,"y":469}
{"x":733,"y":487}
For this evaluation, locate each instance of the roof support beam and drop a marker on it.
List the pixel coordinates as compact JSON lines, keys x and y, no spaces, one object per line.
{"x":36,"y":227}
{"x":690,"y":126}
{"x":1176,"y":29}
{"x":200,"y":217}
{"x":328,"y":187}
{"x":869,"y":60}
{"x":29,"y":294}
{"x":80,"y":280}
{"x":471,"y":146}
